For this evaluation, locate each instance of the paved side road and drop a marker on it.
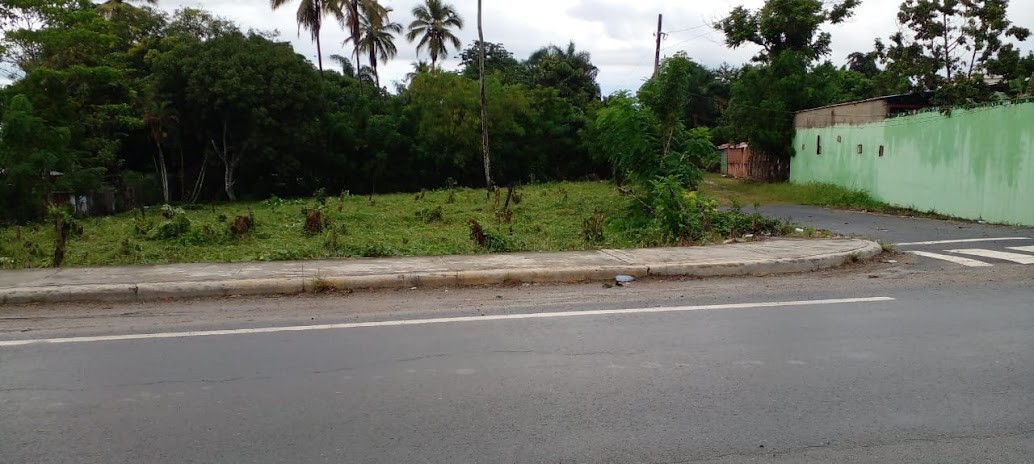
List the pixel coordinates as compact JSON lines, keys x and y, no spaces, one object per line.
{"x":940,"y":244}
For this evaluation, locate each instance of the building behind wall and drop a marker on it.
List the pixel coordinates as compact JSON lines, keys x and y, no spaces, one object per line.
{"x":975,"y":163}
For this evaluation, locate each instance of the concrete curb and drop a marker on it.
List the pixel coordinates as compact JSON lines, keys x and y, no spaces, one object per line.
{"x":295,"y":285}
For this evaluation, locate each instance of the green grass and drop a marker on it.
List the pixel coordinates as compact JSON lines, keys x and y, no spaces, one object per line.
{"x":745,"y":192}
{"x":549,"y":217}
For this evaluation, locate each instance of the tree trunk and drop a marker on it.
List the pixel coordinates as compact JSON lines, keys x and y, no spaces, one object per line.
{"x":228,"y":180}
{"x":484,"y":104}
{"x":319,"y":52}
{"x":163,"y":172}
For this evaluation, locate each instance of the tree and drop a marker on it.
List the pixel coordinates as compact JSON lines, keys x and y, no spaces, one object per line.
{"x":433,"y":24}
{"x":111,"y":7}
{"x":498,"y":60}
{"x":377,"y":37}
{"x":250,"y":96}
{"x":419,"y":67}
{"x":763,"y":100}
{"x":785,"y":25}
{"x":948,"y":45}
{"x":352,"y":13}
{"x":346,"y":65}
{"x":310,"y":16}
{"x":567,"y":69}
{"x":30,"y":149}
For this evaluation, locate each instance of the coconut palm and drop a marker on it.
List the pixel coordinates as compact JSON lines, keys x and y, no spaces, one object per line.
{"x":346,"y":65}
{"x":432,"y":25}
{"x":377,"y":37}
{"x":310,"y":16}
{"x":351,"y":14}
{"x":419,"y":67}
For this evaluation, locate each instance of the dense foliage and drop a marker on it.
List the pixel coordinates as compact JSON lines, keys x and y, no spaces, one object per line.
{"x":152,"y":107}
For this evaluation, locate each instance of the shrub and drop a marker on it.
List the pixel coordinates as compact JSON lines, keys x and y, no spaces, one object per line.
{"x":430,"y":215}
{"x":174,"y":227}
{"x":592,"y":227}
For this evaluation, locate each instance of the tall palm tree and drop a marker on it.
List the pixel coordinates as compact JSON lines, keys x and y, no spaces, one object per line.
{"x":377,"y":37}
{"x":432,"y":25}
{"x":351,"y":14}
{"x":310,"y":16}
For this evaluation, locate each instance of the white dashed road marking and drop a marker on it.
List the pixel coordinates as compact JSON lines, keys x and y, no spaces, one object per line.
{"x":1029,"y":249}
{"x":1003,"y":255}
{"x":442,"y":320}
{"x":954,"y":259}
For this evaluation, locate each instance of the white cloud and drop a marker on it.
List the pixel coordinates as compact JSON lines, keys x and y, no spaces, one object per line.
{"x":618,"y":33}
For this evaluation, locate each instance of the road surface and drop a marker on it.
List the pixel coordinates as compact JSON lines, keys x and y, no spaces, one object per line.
{"x":877,"y":363}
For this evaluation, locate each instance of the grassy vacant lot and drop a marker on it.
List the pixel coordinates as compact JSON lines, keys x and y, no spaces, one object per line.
{"x":544,"y":217}
{"x":547,"y":217}
{"x":748,"y":193}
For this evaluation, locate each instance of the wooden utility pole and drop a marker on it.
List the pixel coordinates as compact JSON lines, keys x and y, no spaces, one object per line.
{"x":484,"y":103}
{"x":657,"y":52}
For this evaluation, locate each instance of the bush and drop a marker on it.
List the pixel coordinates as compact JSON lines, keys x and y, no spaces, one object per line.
{"x":592,"y":227}
{"x":174,"y":227}
{"x":430,"y":215}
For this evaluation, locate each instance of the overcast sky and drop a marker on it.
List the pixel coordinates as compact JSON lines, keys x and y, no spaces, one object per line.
{"x":618,"y":33}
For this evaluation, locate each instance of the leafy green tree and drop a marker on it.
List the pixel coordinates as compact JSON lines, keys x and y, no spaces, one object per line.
{"x":568,"y":70}
{"x":250,"y":96}
{"x":763,"y":100}
{"x":30,"y":150}
{"x":445,"y":111}
{"x":498,"y":60}
{"x":433,"y":25}
{"x":948,"y":46}
{"x":785,"y":25}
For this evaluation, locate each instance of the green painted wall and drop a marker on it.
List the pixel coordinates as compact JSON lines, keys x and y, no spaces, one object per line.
{"x":976,"y":164}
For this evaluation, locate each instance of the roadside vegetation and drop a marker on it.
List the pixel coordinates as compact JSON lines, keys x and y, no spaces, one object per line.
{"x":543,"y":217}
{"x":225,"y":144}
{"x":729,"y":191}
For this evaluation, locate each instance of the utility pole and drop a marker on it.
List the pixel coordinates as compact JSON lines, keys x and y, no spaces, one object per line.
{"x":657,"y":53}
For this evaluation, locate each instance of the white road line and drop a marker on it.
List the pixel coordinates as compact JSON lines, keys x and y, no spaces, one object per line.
{"x":954,"y":259}
{"x":965,"y":240}
{"x":1029,"y":249}
{"x":301,"y":328}
{"x":1014,"y":257}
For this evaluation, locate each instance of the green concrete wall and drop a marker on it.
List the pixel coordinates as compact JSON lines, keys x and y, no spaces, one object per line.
{"x":976,"y":164}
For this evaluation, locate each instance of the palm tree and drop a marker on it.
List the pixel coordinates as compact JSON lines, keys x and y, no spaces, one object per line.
{"x":432,"y":25}
{"x":310,"y":16}
{"x":377,"y":37}
{"x":419,"y":67}
{"x":346,"y":65}
{"x":351,"y":14}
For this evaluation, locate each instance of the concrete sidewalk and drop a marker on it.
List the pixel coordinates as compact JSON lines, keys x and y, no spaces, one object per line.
{"x":286,"y":277}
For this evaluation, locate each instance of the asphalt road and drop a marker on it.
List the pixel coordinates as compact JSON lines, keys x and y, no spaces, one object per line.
{"x":940,"y":245}
{"x":941,"y":373}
